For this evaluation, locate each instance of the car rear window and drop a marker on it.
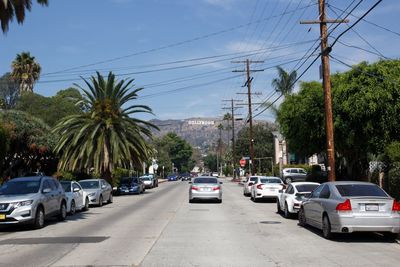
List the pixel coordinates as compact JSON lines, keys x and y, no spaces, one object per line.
{"x":205,"y":181}
{"x":306,"y":187}
{"x":360,"y":190}
{"x":253,"y":179}
{"x":270,"y":181}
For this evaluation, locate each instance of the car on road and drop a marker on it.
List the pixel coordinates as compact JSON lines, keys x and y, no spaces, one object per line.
{"x":293,"y":175}
{"x":77,"y":199}
{"x":205,"y":187}
{"x":247,"y":184}
{"x":98,"y":191}
{"x":148,"y":181}
{"x":346,"y":207}
{"x":130,"y":185}
{"x":289,"y":200}
{"x":172,"y":177}
{"x":266,"y":187}
{"x":185,"y":177}
{"x":32,"y":200}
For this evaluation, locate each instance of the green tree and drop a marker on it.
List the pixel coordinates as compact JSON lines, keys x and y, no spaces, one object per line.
{"x":285,"y":81}
{"x":210,"y":162}
{"x":25,"y":71}
{"x":105,"y":136}
{"x":15,"y":8}
{"x":8,"y":92}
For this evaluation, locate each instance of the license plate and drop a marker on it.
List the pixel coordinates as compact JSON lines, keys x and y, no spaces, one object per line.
{"x":206,"y":189}
{"x":2,"y":216}
{"x":371,"y":207}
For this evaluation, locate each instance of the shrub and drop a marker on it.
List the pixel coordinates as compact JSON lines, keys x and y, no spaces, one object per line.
{"x":394,"y":181}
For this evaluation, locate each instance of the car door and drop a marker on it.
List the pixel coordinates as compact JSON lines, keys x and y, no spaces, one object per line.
{"x":288,"y":196}
{"x":57,"y":192}
{"x":311,"y":206}
{"x":284,"y":196}
{"x":48,"y":202}
{"x":322,"y":204}
{"x":78,"y":195}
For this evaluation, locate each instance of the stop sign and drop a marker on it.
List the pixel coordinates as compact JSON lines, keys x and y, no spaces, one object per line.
{"x":242,"y":162}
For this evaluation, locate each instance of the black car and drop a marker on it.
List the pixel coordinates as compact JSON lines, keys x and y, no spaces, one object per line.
{"x":130,"y":185}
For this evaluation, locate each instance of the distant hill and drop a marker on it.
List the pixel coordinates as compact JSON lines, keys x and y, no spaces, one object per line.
{"x":199,"y":132}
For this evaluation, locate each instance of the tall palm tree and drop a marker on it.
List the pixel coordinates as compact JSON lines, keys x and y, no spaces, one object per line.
{"x":17,"y":8}
{"x":25,"y":71}
{"x":285,"y":81}
{"x":105,"y":136}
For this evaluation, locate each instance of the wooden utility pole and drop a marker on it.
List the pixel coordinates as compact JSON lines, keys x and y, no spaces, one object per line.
{"x":233,"y":108}
{"x":326,"y":81}
{"x":248,"y":83}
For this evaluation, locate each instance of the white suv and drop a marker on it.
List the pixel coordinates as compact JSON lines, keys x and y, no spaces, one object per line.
{"x":293,"y":175}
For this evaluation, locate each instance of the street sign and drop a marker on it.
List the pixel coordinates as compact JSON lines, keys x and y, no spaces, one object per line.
{"x":242,"y":162}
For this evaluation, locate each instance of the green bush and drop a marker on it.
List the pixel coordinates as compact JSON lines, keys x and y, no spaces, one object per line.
{"x":117,"y":174}
{"x":228,"y":170}
{"x":394,"y":181}
{"x":315,"y":174}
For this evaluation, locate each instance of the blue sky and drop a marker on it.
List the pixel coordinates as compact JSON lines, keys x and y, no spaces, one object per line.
{"x":146,"y":39}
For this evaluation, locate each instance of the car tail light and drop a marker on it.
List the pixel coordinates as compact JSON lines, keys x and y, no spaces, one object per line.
{"x":250,"y":184}
{"x":345,"y":206}
{"x":216,"y":188}
{"x":260,"y":186}
{"x":396,"y":206}
{"x":195,"y":188}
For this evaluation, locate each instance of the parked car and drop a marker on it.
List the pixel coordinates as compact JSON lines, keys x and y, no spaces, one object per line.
{"x":148,"y":181}
{"x":293,"y":175}
{"x":172,"y":177}
{"x":206,"y":187}
{"x":77,"y":199}
{"x":247,"y":184}
{"x":32,"y":200}
{"x":98,"y":191}
{"x":130,"y":185}
{"x":289,"y":200}
{"x":185,"y":177}
{"x":266,"y":187}
{"x":346,"y":207}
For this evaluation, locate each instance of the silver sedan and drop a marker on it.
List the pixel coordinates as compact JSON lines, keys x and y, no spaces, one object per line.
{"x":205,"y":187}
{"x":345,"y":207}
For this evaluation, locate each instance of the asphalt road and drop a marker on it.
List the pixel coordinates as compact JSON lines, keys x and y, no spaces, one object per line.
{"x":160,"y":228}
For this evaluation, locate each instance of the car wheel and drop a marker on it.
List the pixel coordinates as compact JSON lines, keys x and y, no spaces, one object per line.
{"x":326,"y":227}
{"x":286,"y":212}
{"x":110,"y":199}
{"x":86,"y":207}
{"x":219,"y":200}
{"x":63,"y":212}
{"x":302,"y":218}
{"x":100,"y":201}
{"x":39,"y":218}
{"x":73,"y":208}
{"x":278,"y":207}
{"x":190,"y":200}
{"x":288,"y":180}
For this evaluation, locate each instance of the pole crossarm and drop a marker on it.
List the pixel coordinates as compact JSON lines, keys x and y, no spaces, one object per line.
{"x":325,"y":21}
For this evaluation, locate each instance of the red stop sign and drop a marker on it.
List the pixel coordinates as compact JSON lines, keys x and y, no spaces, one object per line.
{"x":242,"y":162}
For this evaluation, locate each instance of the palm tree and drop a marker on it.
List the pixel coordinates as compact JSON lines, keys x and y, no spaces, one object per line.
{"x":105,"y":136}
{"x":25,"y":71}
{"x":17,"y":8}
{"x":285,"y":81}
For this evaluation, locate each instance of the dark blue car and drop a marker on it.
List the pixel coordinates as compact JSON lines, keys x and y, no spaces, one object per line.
{"x":130,"y":185}
{"x":172,"y":177}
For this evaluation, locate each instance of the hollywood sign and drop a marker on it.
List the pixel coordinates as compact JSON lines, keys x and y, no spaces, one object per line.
{"x":201,"y":122}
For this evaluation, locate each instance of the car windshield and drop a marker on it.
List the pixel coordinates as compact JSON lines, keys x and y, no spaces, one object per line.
{"x":253,"y":179}
{"x":306,"y":187}
{"x":20,"y":187}
{"x":270,"y":181}
{"x":145,"y":178}
{"x":90,"y":184}
{"x":66,"y":186}
{"x":360,"y":190}
{"x":205,"y":180}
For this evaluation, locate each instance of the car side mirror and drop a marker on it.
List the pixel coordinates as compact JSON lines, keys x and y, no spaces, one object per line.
{"x":103,"y":186}
{"x":46,"y":190}
{"x":76,"y":189}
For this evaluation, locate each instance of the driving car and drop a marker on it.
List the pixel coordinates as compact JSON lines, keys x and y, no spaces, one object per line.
{"x":293,"y":175}
{"x":172,"y":177}
{"x":289,"y":200}
{"x":31,"y":200}
{"x":266,"y":187}
{"x":98,"y":191}
{"x":130,"y":185}
{"x":77,"y":199}
{"x":247,"y":183}
{"x":205,"y":187}
{"x":148,"y":181}
{"x":346,"y":207}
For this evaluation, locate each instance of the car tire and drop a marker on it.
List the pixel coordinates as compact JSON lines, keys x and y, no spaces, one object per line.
{"x":86,"y":207}
{"x":190,"y":200}
{"x":302,"y":218}
{"x":73,"y":208}
{"x":219,"y":201}
{"x":63,"y":212}
{"x":326,"y":228}
{"x":278,"y":207}
{"x":100,"y":201}
{"x":110,"y":199}
{"x":286,"y":212}
{"x":38,"y":222}
{"x":288,"y":180}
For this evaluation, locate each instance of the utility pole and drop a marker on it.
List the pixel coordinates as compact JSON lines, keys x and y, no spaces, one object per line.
{"x":248,"y":83}
{"x":233,"y":108}
{"x":326,"y":81}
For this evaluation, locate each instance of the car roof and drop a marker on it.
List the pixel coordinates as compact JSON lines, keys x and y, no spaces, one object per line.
{"x":90,"y":180}
{"x":30,"y":178}
{"x":349,"y":182}
{"x":301,"y":183}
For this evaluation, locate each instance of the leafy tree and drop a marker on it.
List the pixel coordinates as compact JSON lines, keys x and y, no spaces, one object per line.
{"x":210,"y":161}
{"x":8,"y":92}
{"x":51,"y":109}
{"x":105,"y":136}
{"x":15,"y":8}
{"x":25,"y":71}
{"x":285,"y":81}
{"x":4,"y":146}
